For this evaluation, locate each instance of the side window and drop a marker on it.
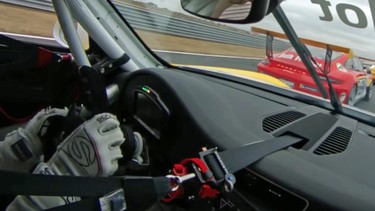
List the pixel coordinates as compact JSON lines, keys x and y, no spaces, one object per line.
{"x":350,"y":64}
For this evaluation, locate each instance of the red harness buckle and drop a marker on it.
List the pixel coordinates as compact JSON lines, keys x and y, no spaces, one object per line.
{"x":203,"y":174}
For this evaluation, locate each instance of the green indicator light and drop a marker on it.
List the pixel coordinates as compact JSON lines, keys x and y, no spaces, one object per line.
{"x":146,"y":90}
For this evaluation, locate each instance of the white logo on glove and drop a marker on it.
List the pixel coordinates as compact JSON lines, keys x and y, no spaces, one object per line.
{"x":83,"y":152}
{"x":104,"y":117}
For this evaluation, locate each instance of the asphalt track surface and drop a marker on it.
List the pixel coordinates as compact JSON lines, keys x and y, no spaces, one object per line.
{"x":237,"y":63}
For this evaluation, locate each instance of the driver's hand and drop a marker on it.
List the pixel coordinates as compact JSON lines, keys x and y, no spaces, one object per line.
{"x":93,"y":149}
{"x":22,"y":148}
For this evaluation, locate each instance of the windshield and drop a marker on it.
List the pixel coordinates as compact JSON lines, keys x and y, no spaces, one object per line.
{"x":182,"y":39}
{"x":295,"y":87}
{"x":186,"y":40}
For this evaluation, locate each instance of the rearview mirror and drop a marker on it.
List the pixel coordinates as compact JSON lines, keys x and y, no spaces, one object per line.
{"x":230,"y":11}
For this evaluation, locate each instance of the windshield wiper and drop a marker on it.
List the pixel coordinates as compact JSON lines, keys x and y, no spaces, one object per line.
{"x":335,"y":102}
{"x":308,"y":59}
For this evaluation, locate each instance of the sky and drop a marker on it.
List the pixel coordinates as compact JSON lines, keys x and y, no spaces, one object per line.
{"x":305,"y":18}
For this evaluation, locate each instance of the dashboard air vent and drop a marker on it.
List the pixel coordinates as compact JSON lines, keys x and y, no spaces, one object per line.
{"x":276,"y":121}
{"x":335,"y":143}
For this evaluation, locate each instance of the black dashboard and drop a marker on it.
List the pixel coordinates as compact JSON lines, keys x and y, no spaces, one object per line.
{"x":183,"y":111}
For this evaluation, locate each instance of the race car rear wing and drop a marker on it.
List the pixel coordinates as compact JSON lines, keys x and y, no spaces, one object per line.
{"x":272,"y":34}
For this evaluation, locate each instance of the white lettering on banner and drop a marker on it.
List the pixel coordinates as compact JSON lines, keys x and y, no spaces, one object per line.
{"x":361,"y":21}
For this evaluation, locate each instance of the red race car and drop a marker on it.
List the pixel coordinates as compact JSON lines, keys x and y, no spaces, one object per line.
{"x":349,"y":79}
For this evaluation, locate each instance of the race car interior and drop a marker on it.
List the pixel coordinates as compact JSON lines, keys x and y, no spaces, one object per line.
{"x":185,"y":110}
{"x":180,"y":111}
{"x":188,"y":109}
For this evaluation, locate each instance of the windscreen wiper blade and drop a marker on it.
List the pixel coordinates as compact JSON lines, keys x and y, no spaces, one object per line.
{"x":306,"y":58}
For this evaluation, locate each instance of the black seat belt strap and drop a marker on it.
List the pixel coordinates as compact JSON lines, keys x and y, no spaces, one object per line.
{"x":139,"y":192}
{"x":91,"y":204}
{"x":14,"y":183}
{"x":239,"y":158}
{"x":224,"y":164}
